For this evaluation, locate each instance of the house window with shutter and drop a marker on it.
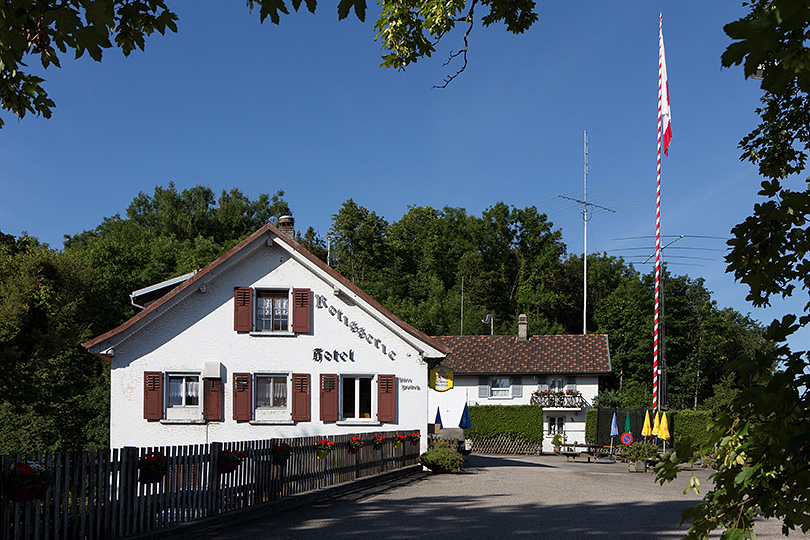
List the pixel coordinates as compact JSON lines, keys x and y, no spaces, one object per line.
{"x":500,"y":387}
{"x":173,"y":397}
{"x":365,"y":398}
{"x":272,"y":311}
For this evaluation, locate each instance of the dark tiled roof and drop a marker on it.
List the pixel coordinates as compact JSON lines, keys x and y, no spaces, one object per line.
{"x":489,"y":355}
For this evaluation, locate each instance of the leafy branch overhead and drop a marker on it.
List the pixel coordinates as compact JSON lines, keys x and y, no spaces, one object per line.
{"x":407,"y":29}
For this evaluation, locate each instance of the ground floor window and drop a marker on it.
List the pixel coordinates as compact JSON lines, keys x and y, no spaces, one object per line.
{"x":271,"y":391}
{"x":356,"y":397}
{"x":556,"y":424}
{"x":184,"y":390}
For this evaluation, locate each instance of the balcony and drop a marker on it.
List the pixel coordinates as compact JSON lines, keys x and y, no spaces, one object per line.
{"x":558,"y":400}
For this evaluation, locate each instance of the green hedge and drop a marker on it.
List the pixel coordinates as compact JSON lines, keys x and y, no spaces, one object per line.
{"x":590,"y":426}
{"x":692,"y":426}
{"x":520,"y":422}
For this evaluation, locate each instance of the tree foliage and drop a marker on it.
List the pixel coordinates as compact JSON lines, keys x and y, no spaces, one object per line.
{"x":762,"y":436}
{"x":47,"y":29}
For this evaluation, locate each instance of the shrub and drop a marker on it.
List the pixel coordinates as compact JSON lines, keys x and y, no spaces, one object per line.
{"x":639,"y":451}
{"x":590,"y":426}
{"x":520,"y":422}
{"x":441,"y":459}
{"x":691,"y":427}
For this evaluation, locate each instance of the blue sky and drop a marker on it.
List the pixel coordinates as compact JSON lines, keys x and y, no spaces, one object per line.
{"x":304,"y":107}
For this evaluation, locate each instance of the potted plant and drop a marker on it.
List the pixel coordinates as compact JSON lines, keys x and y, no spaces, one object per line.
{"x":229,"y":460}
{"x":152,"y":468}
{"x":377,"y":441}
{"x":355,"y":445}
{"x":399,"y":439}
{"x":29,"y":481}
{"x":323,"y":448}
{"x":414,"y":437}
{"x":281,"y":453}
{"x":638,"y":454}
{"x":557,"y":441}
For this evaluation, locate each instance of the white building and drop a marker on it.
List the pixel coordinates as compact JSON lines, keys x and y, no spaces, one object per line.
{"x":267,"y":341}
{"x":559,"y":372}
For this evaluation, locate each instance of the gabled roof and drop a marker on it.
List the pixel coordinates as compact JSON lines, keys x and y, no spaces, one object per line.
{"x":556,"y":354}
{"x":268,"y":232}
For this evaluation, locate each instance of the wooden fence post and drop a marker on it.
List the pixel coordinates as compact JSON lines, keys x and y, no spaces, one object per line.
{"x":214,"y":503}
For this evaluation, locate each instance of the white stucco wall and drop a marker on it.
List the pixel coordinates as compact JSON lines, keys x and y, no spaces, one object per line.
{"x":199,"y":329}
{"x":450,"y":404}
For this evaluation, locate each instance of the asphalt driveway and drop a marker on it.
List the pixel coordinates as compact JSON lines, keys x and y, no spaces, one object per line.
{"x":496,"y":497}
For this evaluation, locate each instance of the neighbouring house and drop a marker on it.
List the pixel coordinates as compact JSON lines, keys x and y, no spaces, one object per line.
{"x":559,"y":372}
{"x":266,"y":341}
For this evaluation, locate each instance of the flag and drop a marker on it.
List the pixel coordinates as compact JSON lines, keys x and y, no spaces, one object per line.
{"x":663,"y":89}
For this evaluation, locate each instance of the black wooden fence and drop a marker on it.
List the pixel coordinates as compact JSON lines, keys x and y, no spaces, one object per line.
{"x":97,"y":494}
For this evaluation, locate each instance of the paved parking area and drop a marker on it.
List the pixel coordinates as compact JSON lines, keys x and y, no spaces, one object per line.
{"x":496,"y":497}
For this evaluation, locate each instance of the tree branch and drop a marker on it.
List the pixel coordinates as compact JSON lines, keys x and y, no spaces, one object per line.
{"x":461,"y":52}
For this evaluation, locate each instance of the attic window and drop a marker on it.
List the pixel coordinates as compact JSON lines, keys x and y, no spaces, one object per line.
{"x":272,"y":311}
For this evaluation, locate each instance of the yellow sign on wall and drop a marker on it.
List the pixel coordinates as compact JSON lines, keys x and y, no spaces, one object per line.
{"x":441,"y":378}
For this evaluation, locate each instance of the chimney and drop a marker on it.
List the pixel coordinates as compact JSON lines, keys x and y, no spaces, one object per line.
{"x":523,"y":327}
{"x":286,"y":224}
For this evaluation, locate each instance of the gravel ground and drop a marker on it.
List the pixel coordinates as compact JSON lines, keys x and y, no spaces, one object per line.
{"x":496,"y":497}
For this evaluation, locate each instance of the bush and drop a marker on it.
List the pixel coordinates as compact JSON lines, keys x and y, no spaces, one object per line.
{"x":639,"y":451}
{"x":590,"y":426}
{"x":691,"y":427}
{"x":441,"y":459}
{"x":519,"y":422}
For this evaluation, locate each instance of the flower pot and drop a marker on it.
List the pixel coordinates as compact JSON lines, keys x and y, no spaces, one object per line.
{"x":354,"y":450}
{"x":397,"y":444}
{"x":321,"y":453}
{"x":637,"y":466}
{"x":280,"y":460}
{"x":225,"y":468}
{"x":150,"y":477}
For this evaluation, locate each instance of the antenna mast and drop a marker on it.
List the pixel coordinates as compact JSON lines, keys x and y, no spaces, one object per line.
{"x":585,"y":238}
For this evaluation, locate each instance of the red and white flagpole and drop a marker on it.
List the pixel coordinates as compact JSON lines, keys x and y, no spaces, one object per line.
{"x":663,"y":122}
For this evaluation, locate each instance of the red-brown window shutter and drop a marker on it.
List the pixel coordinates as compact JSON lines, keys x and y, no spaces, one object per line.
{"x":329,"y":398}
{"x":243,"y":309}
{"x":153,"y":395}
{"x":241,"y":396}
{"x":212,"y":400}
{"x":302,"y":311}
{"x":300,"y":397}
{"x":387,"y":398}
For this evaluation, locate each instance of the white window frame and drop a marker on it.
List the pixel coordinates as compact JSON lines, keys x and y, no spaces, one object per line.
{"x":372,"y":418}
{"x":268,"y":291}
{"x":271,"y":415}
{"x":556,"y":424}
{"x":183,"y":412}
{"x":500,"y":392}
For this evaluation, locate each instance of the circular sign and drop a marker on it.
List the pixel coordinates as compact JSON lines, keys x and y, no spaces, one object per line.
{"x":627,"y":438}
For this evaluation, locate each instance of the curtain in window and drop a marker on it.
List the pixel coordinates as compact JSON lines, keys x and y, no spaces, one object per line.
{"x":280,"y":392}
{"x":263,"y":395}
{"x":175,"y":391}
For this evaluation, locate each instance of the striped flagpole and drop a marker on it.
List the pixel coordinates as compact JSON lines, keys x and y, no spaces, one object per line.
{"x":658,"y":212}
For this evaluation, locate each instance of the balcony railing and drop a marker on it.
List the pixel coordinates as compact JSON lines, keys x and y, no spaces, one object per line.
{"x":556,"y":401}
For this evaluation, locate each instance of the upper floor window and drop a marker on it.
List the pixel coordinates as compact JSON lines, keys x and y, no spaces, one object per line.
{"x":356,"y":397}
{"x":500,"y":387}
{"x":267,"y":311}
{"x":272,"y":313}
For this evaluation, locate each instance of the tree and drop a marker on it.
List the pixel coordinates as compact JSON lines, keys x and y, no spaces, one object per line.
{"x":762,"y":437}
{"x":53,"y":395}
{"x":408,"y":31}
